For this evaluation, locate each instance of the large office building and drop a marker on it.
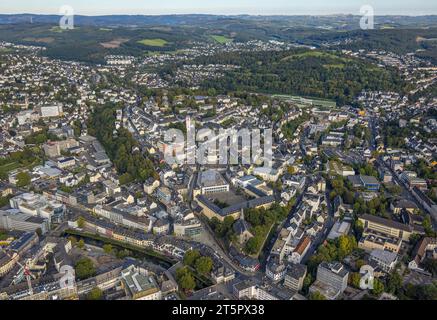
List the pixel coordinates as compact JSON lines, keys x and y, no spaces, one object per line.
{"x":384,"y":234}
{"x":331,"y":280}
{"x":387,"y":227}
{"x":295,"y":276}
{"x":22,"y":222}
{"x":39,"y":205}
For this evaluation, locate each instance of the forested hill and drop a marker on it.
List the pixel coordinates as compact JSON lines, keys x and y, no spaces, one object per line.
{"x":308,"y":73}
{"x":422,"y":41}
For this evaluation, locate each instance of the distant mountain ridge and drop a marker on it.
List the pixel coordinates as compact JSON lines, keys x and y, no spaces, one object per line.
{"x":199,"y":19}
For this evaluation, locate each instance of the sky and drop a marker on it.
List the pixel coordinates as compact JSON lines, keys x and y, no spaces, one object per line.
{"x":231,"y":7}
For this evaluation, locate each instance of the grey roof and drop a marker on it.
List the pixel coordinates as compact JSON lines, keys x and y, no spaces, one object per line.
{"x":296,"y":271}
{"x":240,"y":226}
{"x":404,"y":203}
{"x":335,"y":267}
{"x":369,"y":179}
{"x":256,"y":191}
{"x":236,"y":207}
{"x":386,"y":222}
{"x":210,"y":178}
{"x":34,"y":219}
{"x":387,"y":257}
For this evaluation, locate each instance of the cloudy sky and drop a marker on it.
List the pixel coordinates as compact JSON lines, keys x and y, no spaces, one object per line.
{"x":286,"y":7}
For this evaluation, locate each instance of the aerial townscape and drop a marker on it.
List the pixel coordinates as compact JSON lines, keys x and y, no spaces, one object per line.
{"x":90,"y":208}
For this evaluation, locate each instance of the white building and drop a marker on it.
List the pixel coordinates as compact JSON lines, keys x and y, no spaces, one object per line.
{"x":38,"y":205}
{"x":386,"y":260}
{"x":51,"y":111}
{"x":211,"y":181}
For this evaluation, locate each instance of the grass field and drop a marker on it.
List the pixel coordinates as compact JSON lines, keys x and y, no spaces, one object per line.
{"x":153,"y":42}
{"x":221,"y":39}
{"x":307,"y":100}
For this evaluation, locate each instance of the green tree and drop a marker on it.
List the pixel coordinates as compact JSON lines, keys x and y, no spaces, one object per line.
{"x":252,"y":245}
{"x":203,"y":265}
{"x":359,"y":263}
{"x":378,"y":287}
{"x":23,"y":179}
{"x":394,"y":283}
{"x":81,"y":222}
{"x":107,"y":248}
{"x":346,"y":244}
{"x":190,"y":257}
{"x":81,"y":244}
{"x":123,"y":254}
{"x":85,"y":268}
{"x":95,"y":294}
{"x":185,"y":279}
{"x":316,"y":296}
{"x":427,"y":225}
{"x":307,"y":282}
{"x":355,"y":279}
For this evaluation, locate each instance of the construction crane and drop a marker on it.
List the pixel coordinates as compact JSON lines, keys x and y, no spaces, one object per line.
{"x":26,"y":271}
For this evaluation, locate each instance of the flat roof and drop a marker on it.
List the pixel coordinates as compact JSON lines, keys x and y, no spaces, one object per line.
{"x":385,"y":222}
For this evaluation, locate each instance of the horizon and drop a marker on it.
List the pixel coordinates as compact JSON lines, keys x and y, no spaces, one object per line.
{"x":224,"y":7}
{"x":218,"y":14}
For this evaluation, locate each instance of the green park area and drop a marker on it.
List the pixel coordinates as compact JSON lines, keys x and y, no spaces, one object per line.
{"x":153,"y":42}
{"x":221,"y":39}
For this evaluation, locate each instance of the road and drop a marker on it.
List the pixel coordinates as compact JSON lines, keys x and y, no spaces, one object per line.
{"x":406,"y":192}
{"x":321,"y":236}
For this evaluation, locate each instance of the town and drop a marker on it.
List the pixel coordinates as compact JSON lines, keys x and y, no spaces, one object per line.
{"x":84,"y":184}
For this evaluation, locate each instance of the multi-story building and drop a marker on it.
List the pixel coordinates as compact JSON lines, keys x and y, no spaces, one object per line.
{"x":65,"y":162}
{"x":331,"y":280}
{"x":7,"y":262}
{"x":124,"y":218}
{"x":295,"y":276}
{"x":54,"y":148}
{"x":187,"y":228}
{"x":411,"y":179}
{"x":23,"y":222}
{"x":210,"y":182}
{"x":210,"y":209}
{"x":301,"y":250}
{"x":368,"y":182}
{"x":390,"y":228}
{"x":139,"y":285}
{"x":38,"y":205}
{"x":386,"y":260}
{"x":275,"y":270}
